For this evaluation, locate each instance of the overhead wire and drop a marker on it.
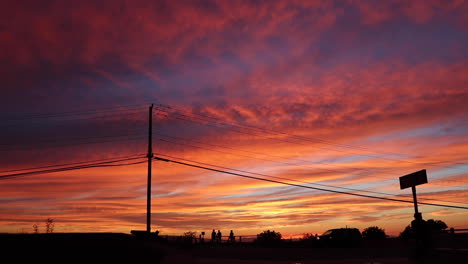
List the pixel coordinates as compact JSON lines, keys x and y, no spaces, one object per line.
{"x":294,"y":142}
{"x":269,"y":160}
{"x":249,"y":127}
{"x":166,"y":109}
{"x":74,"y":163}
{"x":64,"y":122}
{"x":266,"y":131}
{"x":304,"y":186}
{"x":271,"y":131}
{"x":83,"y":166}
{"x":57,"y":139}
{"x":133,"y":138}
{"x":77,"y":112}
{"x":142,"y":136}
{"x":308,"y":165}
{"x":311,"y":183}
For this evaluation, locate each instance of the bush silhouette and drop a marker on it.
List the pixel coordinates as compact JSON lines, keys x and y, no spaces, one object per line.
{"x":268,"y":237}
{"x":307,"y":236}
{"x":374,"y":233}
{"x":436,"y":225}
{"x":49,"y":225}
{"x":189,"y":237}
{"x":407,"y":233}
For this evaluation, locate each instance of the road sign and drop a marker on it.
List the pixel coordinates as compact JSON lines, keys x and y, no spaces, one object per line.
{"x":413,"y":179}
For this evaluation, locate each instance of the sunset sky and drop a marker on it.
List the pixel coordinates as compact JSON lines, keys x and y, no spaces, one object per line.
{"x":339,"y":95}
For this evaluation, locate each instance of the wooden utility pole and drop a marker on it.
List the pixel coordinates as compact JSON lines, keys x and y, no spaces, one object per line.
{"x":150,"y":158}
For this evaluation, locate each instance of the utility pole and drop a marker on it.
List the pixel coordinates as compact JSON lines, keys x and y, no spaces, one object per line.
{"x":150,"y":158}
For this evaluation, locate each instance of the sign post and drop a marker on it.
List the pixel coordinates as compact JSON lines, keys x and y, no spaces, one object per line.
{"x":411,"y":180}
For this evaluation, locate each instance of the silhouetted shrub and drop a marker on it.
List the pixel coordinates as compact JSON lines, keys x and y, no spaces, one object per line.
{"x":268,"y":238}
{"x":374,"y":233}
{"x":308,"y":239}
{"x":436,"y":225}
{"x":189,"y":237}
{"x":433,"y":226}
{"x":407,"y":233}
{"x":307,"y":236}
{"x":50,"y":225}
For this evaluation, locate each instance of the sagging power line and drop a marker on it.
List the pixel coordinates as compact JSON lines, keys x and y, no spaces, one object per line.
{"x":254,"y":130}
{"x":77,"y":167}
{"x":74,"y":163}
{"x":163,"y":109}
{"x":334,"y":170}
{"x":311,"y":183}
{"x":304,"y":186}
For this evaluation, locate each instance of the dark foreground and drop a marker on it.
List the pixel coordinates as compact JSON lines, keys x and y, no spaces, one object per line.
{"x":123,"y":248}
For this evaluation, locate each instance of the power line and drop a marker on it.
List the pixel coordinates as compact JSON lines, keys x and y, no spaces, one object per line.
{"x":77,"y":112}
{"x":84,"y":166}
{"x":268,"y":131}
{"x":164,"y":109}
{"x":133,"y":138}
{"x":269,"y":160}
{"x":205,"y":118}
{"x":301,"y":143}
{"x":55,"y":139}
{"x":308,"y":187}
{"x":136,"y":138}
{"x":312,"y":183}
{"x":251,"y":157}
{"x":62,"y":122}
{"x":74,"y":163}
{"x":89,"y":114}
{"x":257,"y":153}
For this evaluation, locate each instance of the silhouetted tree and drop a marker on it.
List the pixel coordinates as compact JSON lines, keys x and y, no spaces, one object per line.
{"x":432,"y":225}
{"x":309,"y":239}
{"x":50,"y":225}
{"x":407,"y":233}
{"x":268,"y":237}
{"x":36,"y":228}
{"x":373,"y":232}
{"x":189,"y":236}
{"x":307,"y":236}
{"x":436,"y":225}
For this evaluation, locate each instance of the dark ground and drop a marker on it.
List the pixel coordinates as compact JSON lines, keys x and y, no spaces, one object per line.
{"x":125,"y":248}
